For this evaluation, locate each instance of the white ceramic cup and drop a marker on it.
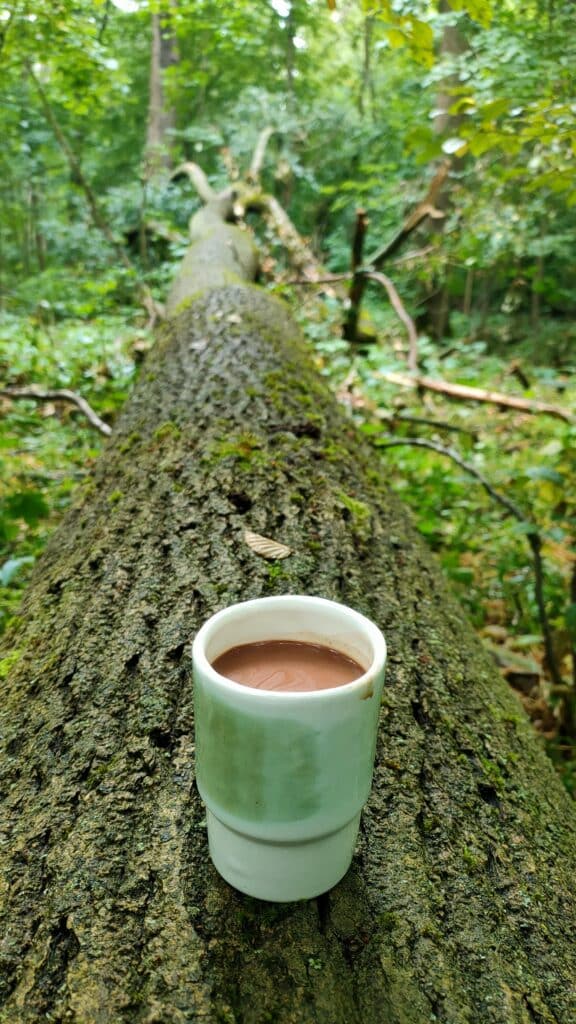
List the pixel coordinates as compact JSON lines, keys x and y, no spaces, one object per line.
{"x":284,"y":775}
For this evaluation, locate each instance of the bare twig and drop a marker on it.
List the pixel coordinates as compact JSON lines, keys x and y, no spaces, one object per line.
{"x":402,"y":314}
{"x":532,"y":535}
{"x":59,"y":395}
{"x":104,"y":22}
{"x":255,"y":168}
{"x":414,"y":254}
{"x":301,"y":255}
{"x":231,"y":164}
{"x":198,"y":179}
{"x":439,"y":424}
{"x":395,"y":300}
{"x":422,"y":442}
{"x":325,"y":279}
{"x":445,"y":387}
{"x":423,"y":210}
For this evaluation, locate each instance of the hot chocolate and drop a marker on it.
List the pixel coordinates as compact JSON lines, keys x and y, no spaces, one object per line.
{"x":286,"y":665}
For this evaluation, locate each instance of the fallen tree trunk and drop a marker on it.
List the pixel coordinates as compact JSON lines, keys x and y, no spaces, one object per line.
{"x":459,"y":907}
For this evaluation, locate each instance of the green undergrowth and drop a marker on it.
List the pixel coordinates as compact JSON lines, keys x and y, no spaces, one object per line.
{"x":483,"y":548}
{"x":47,"y":448}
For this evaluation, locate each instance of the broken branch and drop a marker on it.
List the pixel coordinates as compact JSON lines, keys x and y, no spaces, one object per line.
{"x":197,"y":177}
{"x":402,"y":315}
{"x":463,"y":391}
{"x":59,"y":395}
{"x":255,"y":168}
{"x":424,"y":209}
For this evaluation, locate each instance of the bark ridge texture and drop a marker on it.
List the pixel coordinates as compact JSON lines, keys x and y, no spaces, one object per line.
{"x":459,"y":907}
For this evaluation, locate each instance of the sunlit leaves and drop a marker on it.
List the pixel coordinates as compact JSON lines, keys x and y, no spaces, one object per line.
{"x":12,"y":567}
{"x":454,"y":146}
{"x":404,"y":28}
{"x":478,"y":10}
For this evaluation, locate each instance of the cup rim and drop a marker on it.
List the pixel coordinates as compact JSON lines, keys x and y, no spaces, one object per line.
{"x":376,"y":637}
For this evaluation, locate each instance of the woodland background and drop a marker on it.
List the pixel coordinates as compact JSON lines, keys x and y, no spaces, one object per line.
{"x":101,"y":102}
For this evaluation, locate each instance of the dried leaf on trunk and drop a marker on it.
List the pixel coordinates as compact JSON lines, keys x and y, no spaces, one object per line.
{"x":265,"y":546}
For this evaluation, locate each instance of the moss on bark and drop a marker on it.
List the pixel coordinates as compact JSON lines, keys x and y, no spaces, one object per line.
{"x":459,"y":907}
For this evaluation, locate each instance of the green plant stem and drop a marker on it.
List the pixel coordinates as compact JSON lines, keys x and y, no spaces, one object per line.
{"x":533,"y":536}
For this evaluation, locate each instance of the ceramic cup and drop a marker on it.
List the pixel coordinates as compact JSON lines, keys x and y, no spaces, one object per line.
{"x":284,"y":775}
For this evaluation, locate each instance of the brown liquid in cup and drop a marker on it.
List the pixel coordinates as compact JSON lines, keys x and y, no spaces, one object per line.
{"x":284,"y":665}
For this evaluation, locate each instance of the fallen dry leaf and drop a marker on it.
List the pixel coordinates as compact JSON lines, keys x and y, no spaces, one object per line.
{"x":265,"y":546}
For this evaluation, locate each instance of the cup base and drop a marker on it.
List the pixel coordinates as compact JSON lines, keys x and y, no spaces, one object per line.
{"x":281,"y":872}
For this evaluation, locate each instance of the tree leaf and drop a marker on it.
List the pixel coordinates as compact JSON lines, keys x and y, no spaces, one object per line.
{"x":27,"y":505}
{"x":457,"y":146}
{"x":395,"y":37}
{"x":265,"y":546}
{"x":10,"y":568}
{"x":544,"y":473}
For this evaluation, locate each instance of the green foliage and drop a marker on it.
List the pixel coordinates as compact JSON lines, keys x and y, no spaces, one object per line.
{"x":527,"y":458}
{"x":46,"y":450}
{"x":352,"y":91}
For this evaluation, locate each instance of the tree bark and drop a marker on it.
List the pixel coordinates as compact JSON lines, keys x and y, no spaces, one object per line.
{"x":161,"y":118}
{"x":446,"y":124}
{"x":459,"y":907}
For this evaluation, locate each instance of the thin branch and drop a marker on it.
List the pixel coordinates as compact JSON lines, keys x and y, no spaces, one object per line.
{"x":59,"y":395}
{"x":445,"y":387}
{"x":439,"y":424}
{"x":532,"y":535}
{"x":255,"y":168}
{"x":402,"y":314}
{"x":231,"y":164}
{"x":198,"y":179}
{"x":414,"y":254}
{"x":326,"y":279}
{"x":301,"y":255}
{"x":104,"y":22}
{"x":421,"y":442}
{"x":423,"y":210}
{"x":395,"y":301}
{"x":535,"y":542}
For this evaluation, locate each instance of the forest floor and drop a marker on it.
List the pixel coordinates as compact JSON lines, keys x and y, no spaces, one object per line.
{"x":47,"y":448}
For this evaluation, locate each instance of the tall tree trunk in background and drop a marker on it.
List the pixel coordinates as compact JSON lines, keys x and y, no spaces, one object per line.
{"x":367,"y":78}
{"x":291,"y":29}
{"x":161,"y":117}
{"x":460,"y":905}
{"x":446,"y":125}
